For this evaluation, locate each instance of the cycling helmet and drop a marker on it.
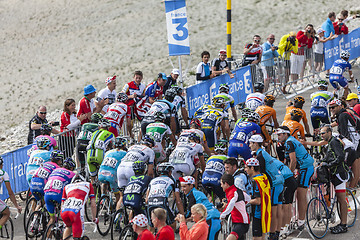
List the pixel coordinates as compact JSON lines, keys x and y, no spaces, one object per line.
{"x":345,"y":54}
{"x":296,"y":112}
{"x":245,"y":112}
{"x":95,"y":118}
{"x":69,"y":163}
{"x":323,"y":83}
{"x":43,"y":142}
{"x":122,"y":97}
{"x":221,"y":147}
{"x":218,"y":101}
{"x":164,"y":168}
{"x":177,"y":88}
{"x":258,"y":87}
{"x":1,"y":161}
{"x":254,"y":116}
{"x":299,"y":99}
{"x":196,"y":122}
{"x":160,"y":116}
{"x":147,"y":140}
{"x":78,"y":178}
{"x":170,"y":94}
{"x":139,"y":167}
{"x":45,"y":129}
{"x":224,"y":88}
{"x":104,"y":123}
{"x":120,"y":142}
{"x":56,"y":156}
{"x":194,"y":136}
{"x":269,"y":98}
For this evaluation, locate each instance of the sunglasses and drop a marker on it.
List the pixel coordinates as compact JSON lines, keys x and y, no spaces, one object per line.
{"x":322,"y":133}
{"x":272,"y":38}
{"x":340,"y":19}
{"x":332,"y":107}
{"x":256,"y":40}
{"x":42,"y":112}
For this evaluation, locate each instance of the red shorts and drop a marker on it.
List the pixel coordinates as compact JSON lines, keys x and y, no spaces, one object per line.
{"x":75,"y":221}
{"x":114,"y":131}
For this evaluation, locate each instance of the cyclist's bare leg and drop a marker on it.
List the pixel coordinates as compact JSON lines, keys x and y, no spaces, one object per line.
{"x":302,"y":204}
{"x":355,"y":167}
{"x":231,"y":237}
{"x":341,"y":197}
{"x":5,"y":216}
{"x":67,"y":232}
{"x":274,"y":218}
{"x":119,"y":202}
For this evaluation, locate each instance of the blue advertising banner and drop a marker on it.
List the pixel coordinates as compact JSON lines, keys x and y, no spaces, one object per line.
{"x":200,"y":94}
{"x":350,"y":42}
{"x":177,"y":27}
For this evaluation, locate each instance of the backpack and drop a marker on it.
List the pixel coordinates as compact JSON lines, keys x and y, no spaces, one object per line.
{"x":356,"y":120}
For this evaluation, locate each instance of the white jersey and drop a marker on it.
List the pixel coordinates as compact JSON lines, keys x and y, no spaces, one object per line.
{"x":185,"y":153}
{"x":179,"y":102}
{"x":4,"y":177}
{"x":184,"y":135}
{"x":116,"y":113}
{"x":254,"y":100}
{"x":106,"y":93}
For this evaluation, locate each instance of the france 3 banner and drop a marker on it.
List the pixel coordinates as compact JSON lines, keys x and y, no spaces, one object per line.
{"x":177,"y":27}
{"x":350,"y":42}
{"x":200,"y":94}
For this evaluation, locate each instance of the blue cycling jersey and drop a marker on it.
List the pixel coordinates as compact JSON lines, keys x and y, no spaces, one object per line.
{"x":195,"y":196}
{"x":339,"y":67}
{"x":320,"y":99}
{"x":303,"y":158}
{"x":112,"y":161}
{"x":215,"y":164}
{"x":269,"y":166}
{"x":285,"y":170}
{"x":244,"y":130}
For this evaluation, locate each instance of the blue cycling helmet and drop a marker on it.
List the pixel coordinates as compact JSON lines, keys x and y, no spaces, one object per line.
{"x":147,"y":140}
{"x":69,"y":163}
{"x":43,"y":142}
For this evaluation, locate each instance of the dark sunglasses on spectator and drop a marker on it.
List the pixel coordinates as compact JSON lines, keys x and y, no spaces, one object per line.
{"x":340,"y":19}
{"x":272,"y":38}
{"x":42,"y":112}
{"x":332,"y":107}
{"x":322,"y":133}
{"x":257,"y":40}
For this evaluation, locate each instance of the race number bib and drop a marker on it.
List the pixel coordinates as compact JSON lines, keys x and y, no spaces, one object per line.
{"x":157,"y":191}
{"x":131,"y":157}
{"x":156,"y":135}
{"x":73,"y":203}
{"x":215,"y":166}
{"x":336,"y":70}
{"x":241,"y":136}
{"x":36,"y":161}
{"x":42,"y":173}
{"x":133,"y":188}
{"x":54,"y":184}
{"x":110,"y":162}
{"x":178,"y":157}
{"x":99,"y":144}
{"x":112,"y":115}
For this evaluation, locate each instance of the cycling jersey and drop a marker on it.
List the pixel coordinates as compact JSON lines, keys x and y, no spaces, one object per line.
{"x":210,"y":118}
{"x":241,"y":181}
{"x":37,"y":158}
{"x":108,"y":168}
{"x":303,"y":158}
{"x":213,"y":171}
{"x":160,"y":189}
{"x":265,"y":113}
{"x":268,"y":166}
{"x":179,"y":102}
{"x":288,"y":115}
{"x":154,"y":90}
{"x":87,"y":130}
{"x":254,"y":100}
{"x":339,"y":67}
{"x":184,"y":135}
{"x":295,"y":127}
{"x":4,"y":177}
{"x":135,"y":153}
{"x":158,"y":131}
{"x":131,"y":88}
{"x":219,"y":65}
{"x":320,"y":99}
{"x":134,"y":192}
{"x":163,"y":106}
{"x":40,"y":177}
{"x":116,"y":114}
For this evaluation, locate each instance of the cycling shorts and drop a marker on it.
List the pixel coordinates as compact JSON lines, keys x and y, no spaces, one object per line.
{"x":239,"y":148}
{"x":305,"y":176}
{"x":276,"y":195}
{"x":94,"y":159}
{"x":81,"y":150}
{"x":75,"y":221}
{"x":290,"y":186}
{"x":3,"y":206}
{"x":239,"y":230}
{"x":256,"y":227}
{"x":350,"y":156}
{"x":144,"y":123}
{"x":37,"y":187}
{"x":318,"y":115}
{"x":135,"y":201}
{"x":170,"y":214}
{"x":114,"y":129}
{"x":49,"y":198}
{"x":339,"y":181}
{"x":109,"y":177}
{"x":210,"y":134}
{"x":30,"y":171}
{"x":124,"y":172}
{"x":336,"y":80}
{"x":185,"y":168}
{"x":211,"y":182}
{"x":214,"y":228}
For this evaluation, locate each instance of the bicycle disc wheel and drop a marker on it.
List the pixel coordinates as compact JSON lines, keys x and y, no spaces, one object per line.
{"x":7,"y":231}
{"x":127,"y":233}
{"x":351,"y":208}
{"x":29,"y":209}
{"x":53,"y":232}
{"x":316,"y":218}
{"x":103,"y":213}
{"x":119,"y":221}
{"x":36,"y":225}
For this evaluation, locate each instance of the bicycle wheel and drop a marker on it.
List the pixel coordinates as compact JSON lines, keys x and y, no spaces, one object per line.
{"x":36,"y":225}
{"x":29,"y":209}
{"x":53,"y":231}
{"x":127,"y":233}
{"x":119,"y":221}
{"x":316,"y":218}
{"x":103,"y":213}
{"x":351,"y":208}
{"x":7,"y":231}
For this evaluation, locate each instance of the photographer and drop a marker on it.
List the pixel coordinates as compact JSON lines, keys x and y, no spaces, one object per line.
{"x":252,"y":52}
{"x":288,"y":43}
{"x":340,"y":27}
{"x":267,"y":60}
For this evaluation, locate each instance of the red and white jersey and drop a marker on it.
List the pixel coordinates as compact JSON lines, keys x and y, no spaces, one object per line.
{"x":85,"y":106}
{"x":75,"y":196}
{"x":116,"y":113}
{"x":131,"y":88}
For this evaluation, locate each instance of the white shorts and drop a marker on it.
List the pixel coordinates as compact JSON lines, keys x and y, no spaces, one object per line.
{"x":3,"y":206}
{"x":185,"y":168}
{"x":124,"y":172}
{"x":296,"y":63}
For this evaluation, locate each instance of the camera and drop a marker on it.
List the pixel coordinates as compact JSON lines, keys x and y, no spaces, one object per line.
{"x":276,"y":47}
{"x":292,"y":40}
{"x":55,"y":124}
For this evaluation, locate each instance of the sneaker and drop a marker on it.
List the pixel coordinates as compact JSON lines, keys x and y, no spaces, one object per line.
{"x":341,"y":228}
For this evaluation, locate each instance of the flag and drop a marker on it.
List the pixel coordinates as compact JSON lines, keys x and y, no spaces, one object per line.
{"x":265,"y":194}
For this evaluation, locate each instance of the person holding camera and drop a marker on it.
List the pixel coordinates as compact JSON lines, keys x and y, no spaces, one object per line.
{"x":340,"y":27}
{"x":267,"y":60}
{"x":253,"y":52}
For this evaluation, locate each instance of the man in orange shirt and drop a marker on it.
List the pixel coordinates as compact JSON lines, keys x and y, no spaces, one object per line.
{"x":298,"y":104}
{"x":294,"y":125}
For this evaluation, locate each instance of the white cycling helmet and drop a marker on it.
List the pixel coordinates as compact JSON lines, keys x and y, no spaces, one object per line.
{"x":256,"y":138}
{"x":344,"y":54}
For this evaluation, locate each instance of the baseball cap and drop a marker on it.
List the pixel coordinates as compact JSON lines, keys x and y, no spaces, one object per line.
{"x":256,"y":138}
{"x":352,"y":96}
{"x":140,"y":220}
{"x":320,"y":30}
{"x":335,"y":102}
{"x":252,"y":162}
{"x":110,"y":79}
{"x":292,"y":34}
{"x":280,"y":130}
{"x":89,"y":89}
{"x":163,"y":76}
{"x":175,"y":71}
{"x":222,"y":52}
{"x":187,"y":180}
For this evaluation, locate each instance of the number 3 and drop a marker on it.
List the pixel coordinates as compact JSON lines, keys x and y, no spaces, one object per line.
{"x":180,"y":27}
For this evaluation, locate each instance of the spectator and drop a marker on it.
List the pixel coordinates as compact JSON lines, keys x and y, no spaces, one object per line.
{"x":154,"y":90}
{"x":319,"y":49}
{"x":203,"y":69}
{"x":36,"y":122}
{"x":158,"y":218}
{"x":69,"y":121}
{"x":140,"y":224}
{"x":87,"y":105}
{"x":253,"y":52}
{"x":328,"y":25}
{"x":220,"y":65}
{"x":345,"y":14}
{"x":267,"y":60}
{"x":340,"y":27}
{"x":309,"y":55}
{"x":108,"y":94}
{"x":288,"y":44}
{"x":353,"y":102}
{"x":199,"y":231}
{"x":171,"y":79}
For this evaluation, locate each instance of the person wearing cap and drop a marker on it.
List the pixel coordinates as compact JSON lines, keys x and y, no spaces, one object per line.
{"x":267,"y":59}
{"x":171,"y":79}
{"x":288,"y":44}
{"x":154,"y":90}
{"x":140,"y":225}
{"x":260,"y":197}
{"x":268,"y":165}
{"x":220,"y":66}
{"x":87,"y":105}
{"x":203,"y":69}
{"x":107,"y":94}
{"x":158,"y":219}
{"x":194,"y":196}
{"x":319,"y":49}
{"x":353,"y":102}
{"x":296,"y":154}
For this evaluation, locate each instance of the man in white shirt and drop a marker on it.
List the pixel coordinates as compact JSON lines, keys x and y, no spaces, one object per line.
{"x":108,"y":94}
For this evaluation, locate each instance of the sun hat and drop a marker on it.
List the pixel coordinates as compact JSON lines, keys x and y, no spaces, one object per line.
{"x":256,"y":138}
{"x":110,"y":79}
{"x":252,"y":162}
{"x":187,"y":180}
{"x":140,"y":220}
{"x":175,"y":71}
{"x":352,"y":96}
{"x":89,"y":89}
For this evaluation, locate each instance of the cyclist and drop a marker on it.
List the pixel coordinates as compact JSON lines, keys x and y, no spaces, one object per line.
{"x":319,"y":102}
{"x":214,"y":170}
{"x":239,"y":140}
{"x":45,"y":131}
{"x":57,"y":180}
{"x":84,"y":137}
{"x":108,"y":168}
{"x":194,"y":196}
{"x":117,"y":113}
{"x":337,"y":70}
{"x":298,"y":104}
{"x":74,"y":197}
{"x":38,"y":157}
{"x":4,"y":209}
{"x":241,"y":179}
{"x":179,"y":103}
{"x":293,"y":124}
{"x":296,"y":153}
{"x":158,"y":130}
{"x":159,"y":191}
{"x":183,"y":157}
{"x":101,"y":140}
{"x":256,"y":99}
{"x":42,"y":174}
{"x":140,"y":152}
{"x":211,"y":117}
{"x":267,"y":113}
{"x":136,"y":188}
